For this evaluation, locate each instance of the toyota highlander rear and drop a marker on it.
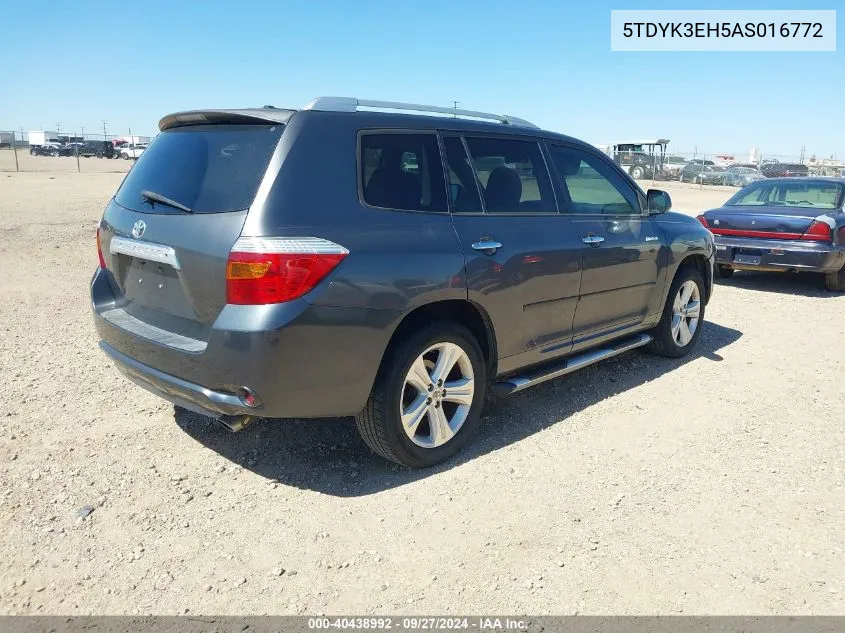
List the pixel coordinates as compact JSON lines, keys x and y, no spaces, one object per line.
{"x":184,"y":305}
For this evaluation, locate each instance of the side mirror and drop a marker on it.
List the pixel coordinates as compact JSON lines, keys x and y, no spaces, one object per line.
{"x":658,"y":201}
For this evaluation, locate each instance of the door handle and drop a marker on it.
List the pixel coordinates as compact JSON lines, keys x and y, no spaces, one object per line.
{"x":592,"y":240}
{"x":486,"y":245}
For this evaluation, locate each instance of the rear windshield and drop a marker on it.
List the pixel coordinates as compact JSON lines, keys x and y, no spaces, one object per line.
{"x":209,"y":168}
{"x":812,"y":195}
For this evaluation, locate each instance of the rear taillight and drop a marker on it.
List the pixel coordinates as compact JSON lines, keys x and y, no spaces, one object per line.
{"x":703,"y":221}
{"x":264,"y":270}
{"x":100,"y":251}
{"x":818,"y":232}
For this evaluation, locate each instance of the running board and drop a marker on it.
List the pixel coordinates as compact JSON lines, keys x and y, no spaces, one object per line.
{"x":512,"y":384}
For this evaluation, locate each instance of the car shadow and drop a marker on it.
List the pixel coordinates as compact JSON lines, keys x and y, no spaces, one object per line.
{"x":328,"y":456}
{"x":801,"y":284}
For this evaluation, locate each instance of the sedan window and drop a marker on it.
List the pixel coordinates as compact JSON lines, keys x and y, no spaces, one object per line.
{"x":817,"y":195}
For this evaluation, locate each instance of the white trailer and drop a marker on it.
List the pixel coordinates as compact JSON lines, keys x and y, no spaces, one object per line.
{"x":41,"y":138}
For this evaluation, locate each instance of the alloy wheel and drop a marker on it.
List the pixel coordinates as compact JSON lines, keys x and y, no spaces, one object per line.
{"x":685,"y":313}
{"x":437,"y":395}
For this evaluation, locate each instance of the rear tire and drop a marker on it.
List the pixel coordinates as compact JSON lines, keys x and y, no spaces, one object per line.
{"x":414,"y":362}
{"x":683,"y":316}
{"x":835,"y":282}
{"x":723,"y":272}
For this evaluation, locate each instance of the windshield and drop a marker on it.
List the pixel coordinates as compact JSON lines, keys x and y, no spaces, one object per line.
{"x":813,"y":195}
{"x":209,"y":168}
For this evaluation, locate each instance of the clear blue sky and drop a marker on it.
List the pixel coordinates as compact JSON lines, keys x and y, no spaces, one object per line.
{"x":79,"y":62}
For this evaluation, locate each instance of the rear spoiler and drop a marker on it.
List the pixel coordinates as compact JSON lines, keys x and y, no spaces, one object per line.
{"x":219,"y":117}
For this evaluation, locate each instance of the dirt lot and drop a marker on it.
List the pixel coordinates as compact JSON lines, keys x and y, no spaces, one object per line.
{"x":710,"y":485}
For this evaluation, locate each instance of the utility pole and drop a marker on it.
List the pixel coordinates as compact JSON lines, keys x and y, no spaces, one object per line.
{"x":455,"y":106}
{"x":105,"y":136}
{"x":58,"y":129}
{"x":803,"y":149}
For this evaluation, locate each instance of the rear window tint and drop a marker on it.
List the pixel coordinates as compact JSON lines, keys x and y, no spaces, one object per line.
{"x":402,"y":171}
{"x":209,"y":168}
{"x":814,"y":195}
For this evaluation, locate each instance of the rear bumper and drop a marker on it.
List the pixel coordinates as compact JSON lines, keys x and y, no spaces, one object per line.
{"x":783,"y":255}
{"x":215,"y":404}
{"x":299,"y":360}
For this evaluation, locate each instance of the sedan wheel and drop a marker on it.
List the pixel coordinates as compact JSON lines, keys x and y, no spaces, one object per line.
{"x":685,"y":313}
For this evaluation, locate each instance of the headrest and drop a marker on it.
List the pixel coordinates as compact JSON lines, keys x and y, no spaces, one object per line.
{"x":568,"y":165}
{"x":504,"y":190}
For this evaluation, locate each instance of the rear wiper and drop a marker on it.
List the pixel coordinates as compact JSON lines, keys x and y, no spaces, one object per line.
{"x":152,"y":197}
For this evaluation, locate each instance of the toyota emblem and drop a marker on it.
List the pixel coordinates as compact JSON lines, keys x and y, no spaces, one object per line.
{"x":138,"y":228}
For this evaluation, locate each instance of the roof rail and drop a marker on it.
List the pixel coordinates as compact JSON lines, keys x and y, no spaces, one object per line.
{"x":351,"y":104}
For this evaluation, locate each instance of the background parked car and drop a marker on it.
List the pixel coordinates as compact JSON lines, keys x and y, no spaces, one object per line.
{"x":99,"y":149}
{"x":783,"y":224}
{"x":46,"y":149}
{"x":66,"y":149}
{"x":673,"y":166}
{"x":705,"y":174}
{"x":131,"y":150}
{"x":739,"y":176}
{"x":780,"y":170}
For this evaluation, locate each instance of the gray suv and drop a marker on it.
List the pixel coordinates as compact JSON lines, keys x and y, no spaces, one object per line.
{"x":353,"y":259}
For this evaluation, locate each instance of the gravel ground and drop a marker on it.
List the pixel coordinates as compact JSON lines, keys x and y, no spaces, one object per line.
{"x":711,"y":485}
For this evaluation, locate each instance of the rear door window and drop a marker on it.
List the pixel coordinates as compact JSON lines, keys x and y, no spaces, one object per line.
{"x":512,"y":175}
{"x":402,"y":171}
{"x":208,"y":168}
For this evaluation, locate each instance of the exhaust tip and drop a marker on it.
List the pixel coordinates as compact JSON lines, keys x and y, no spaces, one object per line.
{"x":235,"y":423}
